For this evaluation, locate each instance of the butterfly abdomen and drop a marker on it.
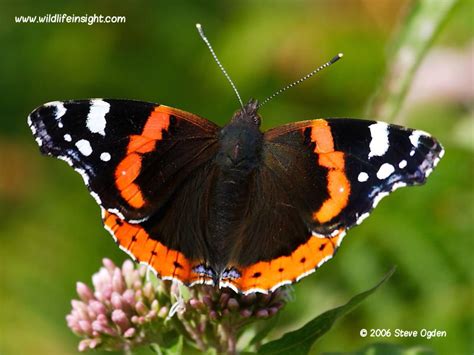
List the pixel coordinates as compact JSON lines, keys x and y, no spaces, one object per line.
{"x":228,"y":200}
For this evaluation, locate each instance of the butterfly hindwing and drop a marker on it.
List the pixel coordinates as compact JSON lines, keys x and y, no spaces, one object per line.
{"x":146,"y":246}
{"x":132,"y":155}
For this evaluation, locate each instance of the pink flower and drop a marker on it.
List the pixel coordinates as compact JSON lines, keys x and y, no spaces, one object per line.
{"x":125,"y":310}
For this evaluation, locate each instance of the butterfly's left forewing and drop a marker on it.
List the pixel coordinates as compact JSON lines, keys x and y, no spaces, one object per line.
{"x":322,"y":177}
{"x":131,"y":154}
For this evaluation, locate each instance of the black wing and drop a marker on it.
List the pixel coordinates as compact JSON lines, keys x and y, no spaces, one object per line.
{"x":132,"y":155}
{"x":320,"y":178}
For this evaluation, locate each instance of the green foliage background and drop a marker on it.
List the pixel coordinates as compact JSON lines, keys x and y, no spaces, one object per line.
{"x":50,"y":230}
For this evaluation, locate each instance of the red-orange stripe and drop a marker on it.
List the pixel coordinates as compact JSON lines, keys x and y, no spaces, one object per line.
{"x":130,"y":167}
{"x":265,"y":275}
{"x":339,"y":187}
{"x":167,"y":262}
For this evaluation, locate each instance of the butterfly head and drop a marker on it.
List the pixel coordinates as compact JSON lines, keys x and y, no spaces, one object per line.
{"x":240,"y":141}
{"x":248,"y":114}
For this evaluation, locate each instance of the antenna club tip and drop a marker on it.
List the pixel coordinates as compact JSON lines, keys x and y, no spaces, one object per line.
{"x":336,"y":58}
{"x":198,"y":26}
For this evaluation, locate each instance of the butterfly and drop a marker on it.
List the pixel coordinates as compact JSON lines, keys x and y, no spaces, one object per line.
{"x":230,"y":206}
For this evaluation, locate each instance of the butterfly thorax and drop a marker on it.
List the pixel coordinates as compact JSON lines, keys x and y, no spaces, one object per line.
{"x":239,"y":155}
{"x":240,"y":142}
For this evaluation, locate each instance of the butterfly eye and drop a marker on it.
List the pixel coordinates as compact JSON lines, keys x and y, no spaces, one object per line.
{"x":257,"y":120}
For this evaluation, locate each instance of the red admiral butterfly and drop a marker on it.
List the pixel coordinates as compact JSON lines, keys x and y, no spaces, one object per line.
{"x":230,"y":206}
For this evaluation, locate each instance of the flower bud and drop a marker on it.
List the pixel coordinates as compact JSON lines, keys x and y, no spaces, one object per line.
{"x":141,"y":308}
{"x":246,"y":313}
{"x":233,"y":304}
{"x":84,"y":292}
{"x":262,"y":314}
{"x":130,"y":332}
{"x":86,"y":327}
{"x":120,"y":318}
{"x":118,"y":284}
{"x":109,"y":265}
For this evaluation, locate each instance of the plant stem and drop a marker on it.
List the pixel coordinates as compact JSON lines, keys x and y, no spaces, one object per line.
{"x":415,"y":36}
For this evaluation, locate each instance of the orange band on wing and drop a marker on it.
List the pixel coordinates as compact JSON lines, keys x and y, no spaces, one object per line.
{"x":339,"y":189}
{"x":268,"y":275}
{"x":322,"y":136}
{"x":130,"y":167}
{"x":128,"y":170}
{"x":157,"y":122}
{"x":168,"y":263}
{"x":339,"y":186}
{"x":140,"y":144}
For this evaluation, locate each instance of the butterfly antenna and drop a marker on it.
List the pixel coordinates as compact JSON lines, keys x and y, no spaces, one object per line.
{"x":299,"y":81}
{"x":204,"y":38}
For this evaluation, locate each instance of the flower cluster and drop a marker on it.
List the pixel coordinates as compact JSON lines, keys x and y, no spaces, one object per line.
{"x":116,"y":313}
{"x":126,"y":309}
{"x":215,"y":317}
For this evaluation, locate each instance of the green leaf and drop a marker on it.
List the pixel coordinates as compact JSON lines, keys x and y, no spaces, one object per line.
{"x":262,"y":333}
{"x":173,"y":348}
{"x":156,"y":349}
{"x":388,"y":349}
{"x":300,"y":341}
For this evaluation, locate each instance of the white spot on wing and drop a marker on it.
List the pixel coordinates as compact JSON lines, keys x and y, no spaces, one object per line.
{"x":324,"y":260}
{"x":60,"y":109}
{"x":324,"y":236}
{"x":379,"y":143}
{"x":317,"y":235}
{"x":116,"y":212}
{"x":304,"y":274}
{"x":128,"y":252}
{"x":66,"y":159}
{"x":33,"y":129}
{"x":84,"y":147}
{"x":341,"y":237}
{"x":136,"y":221}
{"x":84,"y":175}
{"x":378,"y":198}
{"x":225,"y":284}
{"x":397,"y":185}
{"x":280,"y":284}
{"x":363,"y":177}
{"x":385,"y":171}
{"x":202,"y":282}
{"x":402,"y":164}
{"x":96,"y":197}
{"x":255,"y":290}
{"x":415,"y":137}
{"x":362,"y":217}
{"x":67,"y":138}
{"x":96,"y":118}
{"x":105,"y":156}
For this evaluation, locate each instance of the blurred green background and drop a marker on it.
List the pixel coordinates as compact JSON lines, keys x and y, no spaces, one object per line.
{"x":50,"y":228}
